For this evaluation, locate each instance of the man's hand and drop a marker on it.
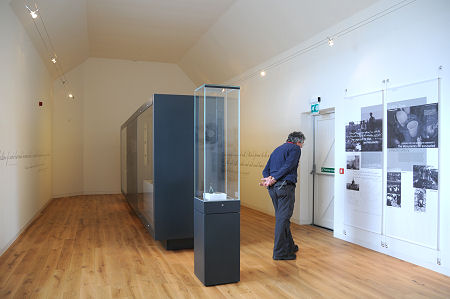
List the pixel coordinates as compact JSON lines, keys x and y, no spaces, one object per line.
{"x":264,"y":182}
{"x":268,"y":181}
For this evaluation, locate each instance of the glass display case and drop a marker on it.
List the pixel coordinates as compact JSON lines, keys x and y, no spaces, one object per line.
{"x":216,"y":143}
{"x":216,"y":184}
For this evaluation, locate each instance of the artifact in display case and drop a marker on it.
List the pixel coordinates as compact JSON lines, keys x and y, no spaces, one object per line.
{"x":216,"y":184}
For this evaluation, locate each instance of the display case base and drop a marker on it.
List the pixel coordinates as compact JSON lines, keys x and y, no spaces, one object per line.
{"x":217,"y":241}
{"x":178,"y":244}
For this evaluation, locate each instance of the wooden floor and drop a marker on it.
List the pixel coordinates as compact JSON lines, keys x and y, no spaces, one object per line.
{"x":94,"y":246}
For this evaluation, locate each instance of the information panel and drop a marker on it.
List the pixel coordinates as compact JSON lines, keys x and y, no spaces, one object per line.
{"x":412,"y":163}
{"x":364,"y":159}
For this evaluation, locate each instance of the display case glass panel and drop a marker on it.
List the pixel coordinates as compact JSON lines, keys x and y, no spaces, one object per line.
{"x":137,"y":161}
{"x":123,"y":159}
{"x":145,"y":164}
{"x":216,"y":142}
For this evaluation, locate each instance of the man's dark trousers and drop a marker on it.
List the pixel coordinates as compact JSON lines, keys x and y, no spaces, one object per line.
{"x":283,"y":199}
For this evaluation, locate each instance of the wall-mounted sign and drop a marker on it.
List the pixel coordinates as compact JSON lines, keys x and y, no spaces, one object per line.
{"x":327,"y":169}
{"x":314,"y":108}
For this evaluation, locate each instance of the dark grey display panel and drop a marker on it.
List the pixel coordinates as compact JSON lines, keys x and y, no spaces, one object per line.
{"x":157,"y":168}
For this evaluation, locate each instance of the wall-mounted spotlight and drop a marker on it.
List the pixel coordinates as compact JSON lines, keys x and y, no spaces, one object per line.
{"x":330,"y":42}
{"x":262,"y":73}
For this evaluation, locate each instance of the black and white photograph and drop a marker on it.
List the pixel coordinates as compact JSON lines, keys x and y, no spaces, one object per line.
{"x":394,"y":189}
{"x":353,"y":137}
{"x":372,"y":128}
{"x":420,"y":200}
{"x":413,"y":127}
{"x":425,"y":177}
{"x":353,"y":186}
{"x":353,"y":162}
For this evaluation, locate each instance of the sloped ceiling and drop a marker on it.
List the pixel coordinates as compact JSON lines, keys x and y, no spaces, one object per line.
{"x":66,"y":24}
{"x":149,"y":30}
{"x":252,"y":31}
{"x":211,"y":40}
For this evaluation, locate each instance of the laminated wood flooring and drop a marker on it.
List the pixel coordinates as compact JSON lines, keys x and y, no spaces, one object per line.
{"x":95,"y":247}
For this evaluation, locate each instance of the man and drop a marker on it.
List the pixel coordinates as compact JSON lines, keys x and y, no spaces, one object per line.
{"x":371,"y":122}
{"x":280,"y":177}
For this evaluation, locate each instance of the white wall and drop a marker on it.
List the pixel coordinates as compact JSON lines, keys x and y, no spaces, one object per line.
{"x":407,"y":45}
{"x":68,"y":132}
{"x":25,"y":130}
{"x":87,"y":129}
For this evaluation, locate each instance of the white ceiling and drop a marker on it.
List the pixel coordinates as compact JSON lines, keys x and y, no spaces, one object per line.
{"x":149,"y":30}
{"x":211,"y":40}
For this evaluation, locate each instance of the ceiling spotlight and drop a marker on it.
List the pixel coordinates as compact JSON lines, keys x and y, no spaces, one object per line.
{"x":262,"y":73}
{"x":33,"y":13}
{"x":54,"y":59}
{"x":330,"y":42}
{"x":71,"y":96}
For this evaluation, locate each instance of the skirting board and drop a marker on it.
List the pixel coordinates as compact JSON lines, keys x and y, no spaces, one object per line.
{"x":25,"y":227}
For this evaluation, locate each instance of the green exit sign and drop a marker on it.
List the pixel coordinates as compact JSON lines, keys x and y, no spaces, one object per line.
{"x":315,"y":108}
{"x":327,"y":170}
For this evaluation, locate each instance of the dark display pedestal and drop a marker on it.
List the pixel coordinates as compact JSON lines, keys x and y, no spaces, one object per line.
{"x":178,"y":244}
{"x":160,"y":196}
{"x":217,"y":241}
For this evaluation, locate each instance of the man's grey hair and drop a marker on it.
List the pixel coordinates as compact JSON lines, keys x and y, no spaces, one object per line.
{"x":295,"y":137}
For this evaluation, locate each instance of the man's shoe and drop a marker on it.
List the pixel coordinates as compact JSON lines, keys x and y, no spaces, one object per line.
{"x":285,"y":257}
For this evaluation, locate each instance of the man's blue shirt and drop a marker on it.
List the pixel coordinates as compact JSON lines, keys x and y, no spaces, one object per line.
{"x":283,"y":163}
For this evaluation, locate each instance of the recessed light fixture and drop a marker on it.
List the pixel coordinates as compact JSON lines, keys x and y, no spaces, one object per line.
{"x":262,"y":73}
{"x":330,"y":42}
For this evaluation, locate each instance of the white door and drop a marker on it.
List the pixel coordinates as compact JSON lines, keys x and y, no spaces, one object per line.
{"x":324,"y":170}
